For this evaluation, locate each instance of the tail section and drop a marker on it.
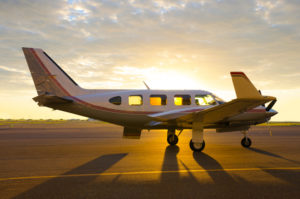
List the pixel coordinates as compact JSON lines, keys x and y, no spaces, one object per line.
{"x":48,"y":77}
{"x":243,"y":86}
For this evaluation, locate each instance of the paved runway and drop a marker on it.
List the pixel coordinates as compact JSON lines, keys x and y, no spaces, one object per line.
{"x":97,"y":163}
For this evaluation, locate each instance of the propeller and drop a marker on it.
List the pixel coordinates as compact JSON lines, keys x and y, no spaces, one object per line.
{"x":269,"y":107}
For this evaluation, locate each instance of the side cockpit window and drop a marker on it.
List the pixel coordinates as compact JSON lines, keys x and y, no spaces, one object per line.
{"x":180,"y":100}
{"x":115,"y":100}
{"x":219,"y":100}
{"x":204,"y":100}
{"x":135,"y":100}
{"x":158,"y":100}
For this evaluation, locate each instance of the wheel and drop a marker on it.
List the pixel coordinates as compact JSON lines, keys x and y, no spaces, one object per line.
{"x":172,"y":139}
{"x":198,"y":147}
{"x":246,"y":142}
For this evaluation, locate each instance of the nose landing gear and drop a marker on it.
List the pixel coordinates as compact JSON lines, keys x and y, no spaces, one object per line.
{"x":172,"y":139}
{"x":246,"y":142}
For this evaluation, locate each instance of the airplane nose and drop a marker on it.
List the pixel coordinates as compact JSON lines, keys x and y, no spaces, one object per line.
{"x":272,"y":112}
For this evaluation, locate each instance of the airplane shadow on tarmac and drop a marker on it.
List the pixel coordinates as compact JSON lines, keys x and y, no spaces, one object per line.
{"x":222,"y":181}
{"x":88,"y":186}
{"x":270,"y":154}
{"x":170,"y":163}
{"x":208,"y":163}
{"x":170,"y":184}
{"x":65,"y":187}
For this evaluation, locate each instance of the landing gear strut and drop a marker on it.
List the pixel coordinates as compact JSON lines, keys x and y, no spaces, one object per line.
{"x":246,"y":142}
{"x":197,"y":143}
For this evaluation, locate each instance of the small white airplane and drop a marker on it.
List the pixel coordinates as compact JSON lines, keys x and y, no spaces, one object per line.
{"x":136,"y":110}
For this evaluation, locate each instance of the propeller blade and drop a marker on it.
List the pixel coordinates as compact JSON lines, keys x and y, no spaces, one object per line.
{"x":271,"y":105}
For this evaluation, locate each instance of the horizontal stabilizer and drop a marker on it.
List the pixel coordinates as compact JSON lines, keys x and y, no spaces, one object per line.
{"x":48,"y":99}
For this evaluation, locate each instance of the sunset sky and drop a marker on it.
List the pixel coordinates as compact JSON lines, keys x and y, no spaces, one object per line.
{"x":169,"y":44}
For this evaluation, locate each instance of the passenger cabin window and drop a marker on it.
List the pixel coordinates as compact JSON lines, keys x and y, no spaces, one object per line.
{"x":115,"y":100}
{"x":135,"y":100}
{"x":158,"y":100}
{"x":182,"y":100}
{"x":204,"y":100}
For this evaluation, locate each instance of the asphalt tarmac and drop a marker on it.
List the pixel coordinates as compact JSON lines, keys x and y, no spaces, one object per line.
{"x":98,"y":163}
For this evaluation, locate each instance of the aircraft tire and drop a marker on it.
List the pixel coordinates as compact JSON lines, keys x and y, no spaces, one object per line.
{"x":196,"y":148}
{"x":172,"y":139}
{"x":246,"y":142}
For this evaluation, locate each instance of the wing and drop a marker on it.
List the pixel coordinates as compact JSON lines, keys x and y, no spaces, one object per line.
{"x":213,"y":114}
{"x":248,"y":98}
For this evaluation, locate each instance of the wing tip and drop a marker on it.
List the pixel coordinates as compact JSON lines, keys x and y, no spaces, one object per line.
{"x":238,"y":74}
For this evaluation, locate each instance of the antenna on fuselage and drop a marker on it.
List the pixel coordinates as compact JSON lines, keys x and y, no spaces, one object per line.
{"x":146,"y":85}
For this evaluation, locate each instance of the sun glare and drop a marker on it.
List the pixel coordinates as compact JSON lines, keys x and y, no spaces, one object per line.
{"x":172,"y":80}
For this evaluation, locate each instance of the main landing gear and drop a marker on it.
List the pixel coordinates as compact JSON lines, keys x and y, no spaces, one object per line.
{"x":197,"y":147}
{"x":246,"y":142}
{"x":197,"y":143}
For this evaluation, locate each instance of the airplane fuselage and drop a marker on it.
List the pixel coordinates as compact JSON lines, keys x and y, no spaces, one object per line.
{"x":97,"y":105}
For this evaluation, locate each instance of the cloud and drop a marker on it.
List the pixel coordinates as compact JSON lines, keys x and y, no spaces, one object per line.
{"x":201,"y":40}
{"x":5,"y":68}
{"x":14,"y":81}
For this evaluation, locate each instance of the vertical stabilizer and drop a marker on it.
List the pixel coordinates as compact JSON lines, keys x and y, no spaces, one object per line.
{"x":48,"y":77}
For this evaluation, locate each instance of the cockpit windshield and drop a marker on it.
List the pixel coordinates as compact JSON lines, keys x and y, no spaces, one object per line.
{"x":204,"y":100}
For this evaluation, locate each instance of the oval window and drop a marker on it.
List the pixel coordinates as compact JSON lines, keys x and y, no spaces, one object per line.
{"x":115,"y":100}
